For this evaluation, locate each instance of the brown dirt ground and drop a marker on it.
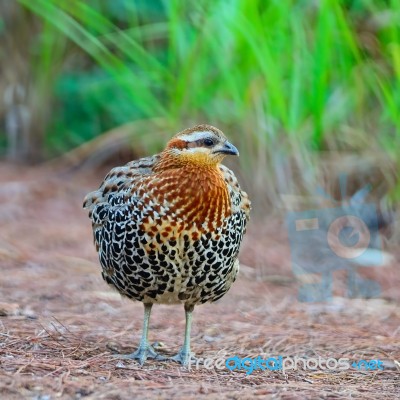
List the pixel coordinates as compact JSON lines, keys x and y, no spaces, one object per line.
{"x":60,"y":324}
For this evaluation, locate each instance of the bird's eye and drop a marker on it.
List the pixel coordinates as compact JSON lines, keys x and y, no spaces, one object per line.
{"x":208,"y":142}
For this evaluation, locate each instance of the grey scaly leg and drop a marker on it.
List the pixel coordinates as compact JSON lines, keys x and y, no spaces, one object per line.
{"x":145,"y":350}
{"x":185,"y":357}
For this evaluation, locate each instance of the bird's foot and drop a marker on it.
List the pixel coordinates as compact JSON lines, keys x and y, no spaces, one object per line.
{"x":142,"y":354}
{"x":185,"y":358}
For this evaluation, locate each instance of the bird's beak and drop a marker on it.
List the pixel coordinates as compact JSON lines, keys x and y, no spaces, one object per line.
{"x":227,"y":148}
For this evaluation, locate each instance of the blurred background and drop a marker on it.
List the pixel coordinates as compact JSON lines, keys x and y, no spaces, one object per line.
{"x":306,"y":90}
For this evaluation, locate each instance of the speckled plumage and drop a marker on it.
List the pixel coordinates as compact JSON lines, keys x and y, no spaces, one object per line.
{"x":168,"y":227}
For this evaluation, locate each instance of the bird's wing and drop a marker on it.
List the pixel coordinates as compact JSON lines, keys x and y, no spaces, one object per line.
{"x":119,"y":179}
{"x":111,"y":206}
{"x":239,"y":198}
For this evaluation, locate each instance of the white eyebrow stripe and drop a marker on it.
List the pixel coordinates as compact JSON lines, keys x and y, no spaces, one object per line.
{"x":197,"y":135}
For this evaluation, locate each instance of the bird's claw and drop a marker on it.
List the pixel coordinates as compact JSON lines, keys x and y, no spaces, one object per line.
{"x":142,"y":354}
{"x":184,"y":358}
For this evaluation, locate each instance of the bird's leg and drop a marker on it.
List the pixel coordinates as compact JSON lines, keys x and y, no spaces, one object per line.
{"x":145,"y":349}
{"x":185,"y":357}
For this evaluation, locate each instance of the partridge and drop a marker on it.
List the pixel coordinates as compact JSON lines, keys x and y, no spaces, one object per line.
{"x":168,"y":228}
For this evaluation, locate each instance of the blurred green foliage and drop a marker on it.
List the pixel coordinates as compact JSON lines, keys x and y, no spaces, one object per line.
{"x":284,"y":79}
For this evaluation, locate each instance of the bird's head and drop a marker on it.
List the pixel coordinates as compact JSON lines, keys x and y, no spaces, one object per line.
{"x":201,"y":145}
